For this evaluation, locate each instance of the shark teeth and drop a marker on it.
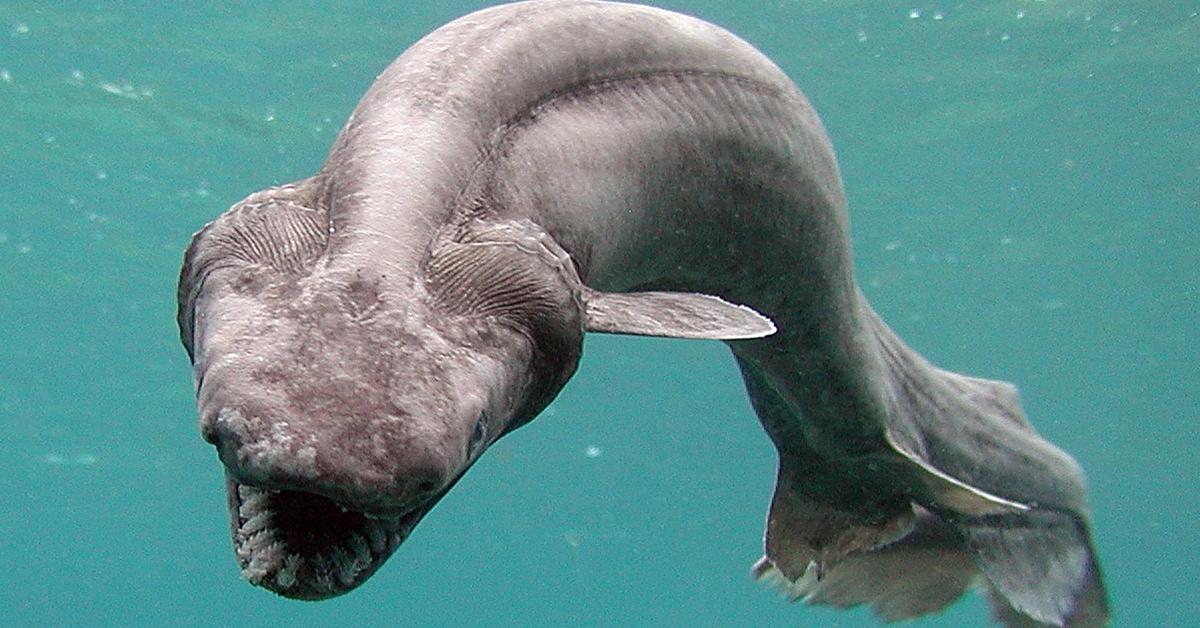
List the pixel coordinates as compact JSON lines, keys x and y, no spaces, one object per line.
{"x":303,"y":546}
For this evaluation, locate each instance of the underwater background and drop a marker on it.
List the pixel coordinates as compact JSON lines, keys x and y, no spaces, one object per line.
{"x":1024,"y":187}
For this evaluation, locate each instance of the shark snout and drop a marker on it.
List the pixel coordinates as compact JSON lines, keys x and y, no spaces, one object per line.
{"x":380,"y":481}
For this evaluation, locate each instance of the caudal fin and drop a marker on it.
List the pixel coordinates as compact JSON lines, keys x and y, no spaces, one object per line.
{"x":1040,"y":568}
{"x":959,"y":490}
{"x":1017,"y":502}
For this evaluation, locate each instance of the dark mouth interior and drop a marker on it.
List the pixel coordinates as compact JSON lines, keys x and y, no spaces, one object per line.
{"x":304,"y":546}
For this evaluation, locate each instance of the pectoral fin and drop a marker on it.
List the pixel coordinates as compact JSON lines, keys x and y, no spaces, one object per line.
{"x":673,"y":315}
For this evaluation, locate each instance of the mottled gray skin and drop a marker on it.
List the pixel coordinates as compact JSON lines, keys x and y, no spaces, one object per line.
{"x":536,"y":170}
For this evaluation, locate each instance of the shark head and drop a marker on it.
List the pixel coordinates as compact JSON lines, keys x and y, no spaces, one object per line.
{"x":344,"y":400}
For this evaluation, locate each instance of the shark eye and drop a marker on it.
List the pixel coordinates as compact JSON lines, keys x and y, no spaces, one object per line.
{"x":480,"y":433}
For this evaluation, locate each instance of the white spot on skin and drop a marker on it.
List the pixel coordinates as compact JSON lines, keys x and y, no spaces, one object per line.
{"x":278,"y":449}
{"x":307,"y":456}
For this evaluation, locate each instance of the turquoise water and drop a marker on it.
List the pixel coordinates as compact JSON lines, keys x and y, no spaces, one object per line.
{"x":1025,"y":206}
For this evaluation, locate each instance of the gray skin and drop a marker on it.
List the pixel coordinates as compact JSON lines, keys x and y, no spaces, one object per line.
{"x":537,"y":170}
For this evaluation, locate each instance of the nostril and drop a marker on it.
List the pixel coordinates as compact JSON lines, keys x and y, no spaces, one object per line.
{"x":221,"y":429}
{"x":210,"y":430}
{"x":420,"y":486}
{"x":217,"y":427}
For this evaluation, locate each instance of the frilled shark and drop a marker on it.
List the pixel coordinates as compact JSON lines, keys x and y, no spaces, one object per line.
{"x":537,"y":170}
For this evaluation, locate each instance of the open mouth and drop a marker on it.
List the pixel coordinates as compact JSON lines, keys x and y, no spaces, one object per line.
{"x":307,"y":547}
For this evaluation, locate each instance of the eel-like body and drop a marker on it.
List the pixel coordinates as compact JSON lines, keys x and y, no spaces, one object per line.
{"x":539,"y":169}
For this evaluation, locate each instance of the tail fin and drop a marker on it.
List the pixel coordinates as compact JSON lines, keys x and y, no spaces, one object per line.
{"x":967,"y":438}
{"x":1040,"y":568}
{"x":987,"y":499}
